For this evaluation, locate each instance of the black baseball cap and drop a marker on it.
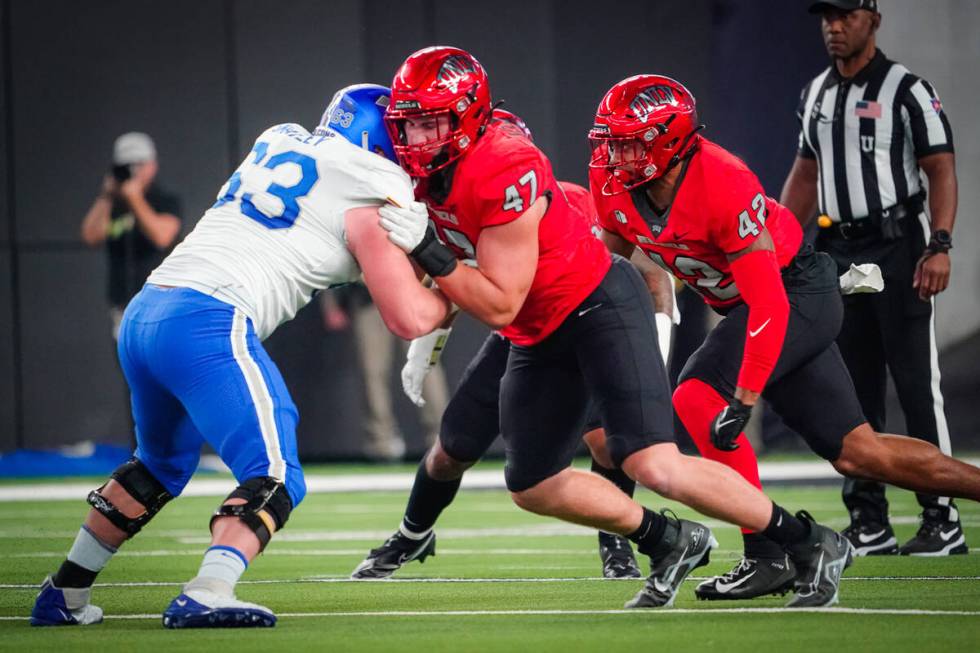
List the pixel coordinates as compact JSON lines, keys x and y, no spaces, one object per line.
{"x":846,"y":5}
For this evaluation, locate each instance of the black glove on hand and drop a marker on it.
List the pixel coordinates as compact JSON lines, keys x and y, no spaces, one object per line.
{"x":728,"y":424}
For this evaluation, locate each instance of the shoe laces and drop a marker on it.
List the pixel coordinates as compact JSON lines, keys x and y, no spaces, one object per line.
{"x":745,"y":564}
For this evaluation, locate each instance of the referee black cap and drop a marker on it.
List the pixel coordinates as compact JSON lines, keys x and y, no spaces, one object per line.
{"x":846,"y":5}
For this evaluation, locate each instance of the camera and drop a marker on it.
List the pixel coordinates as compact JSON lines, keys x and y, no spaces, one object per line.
{"x":121,"y":172}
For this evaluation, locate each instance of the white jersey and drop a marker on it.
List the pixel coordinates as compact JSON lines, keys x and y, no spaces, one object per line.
{"x":276,"y":234}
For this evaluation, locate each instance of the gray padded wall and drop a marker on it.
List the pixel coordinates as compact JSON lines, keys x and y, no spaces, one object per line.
{"x":7,"y":407}
{"x":666,"y":38}
{"x":158,"y":69}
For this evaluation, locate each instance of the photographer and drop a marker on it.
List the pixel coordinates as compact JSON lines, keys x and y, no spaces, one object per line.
{"x":136,"y":219}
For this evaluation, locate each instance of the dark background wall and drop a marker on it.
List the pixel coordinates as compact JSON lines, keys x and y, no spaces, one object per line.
{"x":203,"y":77}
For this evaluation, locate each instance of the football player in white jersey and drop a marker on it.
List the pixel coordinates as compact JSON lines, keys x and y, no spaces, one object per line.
{"x":299,"y":215}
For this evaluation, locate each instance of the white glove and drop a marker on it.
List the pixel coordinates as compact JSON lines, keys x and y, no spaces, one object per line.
{"x":665,"y":325}
{"x":405,"y":225}
{"x":864,"y":278}
{"x":423,"y":354}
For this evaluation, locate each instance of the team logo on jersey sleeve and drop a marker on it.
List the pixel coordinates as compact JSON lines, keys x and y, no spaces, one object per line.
{"x":647,"y":100}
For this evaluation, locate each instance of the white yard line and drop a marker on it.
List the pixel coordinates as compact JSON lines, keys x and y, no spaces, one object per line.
{"x":815,"y":470}
{"x":412,"y":581}
{"x":644,"y":614}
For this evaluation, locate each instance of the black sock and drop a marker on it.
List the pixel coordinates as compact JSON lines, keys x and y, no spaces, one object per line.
{"x":617,"y":477}
{"x":428,"y":499}
{"x":656,"y":534}
{"x":72,"y":575}
{"x":785,"y":529}
{"x":759,"y":547}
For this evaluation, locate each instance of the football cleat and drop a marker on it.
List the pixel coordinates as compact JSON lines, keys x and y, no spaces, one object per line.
{"x":750,"y":578}
{"x":691,"y":549}
{"x":617,"y":557}
{"x":936,"y":537}
{"x":64,"y":606}
{"x":870,"y":539}
{"x":385,"y":560}
{"x":820,"y":561}
{"x":204,"y":609}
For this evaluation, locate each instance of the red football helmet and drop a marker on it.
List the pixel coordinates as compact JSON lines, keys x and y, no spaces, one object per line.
{"x":514,"y":119}
{"x":448,"y":86}
{"x":643,"y":127}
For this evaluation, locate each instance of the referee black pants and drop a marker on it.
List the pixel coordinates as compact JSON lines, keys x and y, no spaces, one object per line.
{"x":894,"y":331}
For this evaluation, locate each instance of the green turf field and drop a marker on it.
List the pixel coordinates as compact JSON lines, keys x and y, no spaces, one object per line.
{"x":519,"y":583}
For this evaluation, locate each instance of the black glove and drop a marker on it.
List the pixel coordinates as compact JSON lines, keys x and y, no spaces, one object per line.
{"x":726,"y":426}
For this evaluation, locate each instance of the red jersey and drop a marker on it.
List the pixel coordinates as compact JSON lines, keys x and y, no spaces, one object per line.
{"x":719,"y":209}
{"x":581,"y":200}
{"x":493,"y":184}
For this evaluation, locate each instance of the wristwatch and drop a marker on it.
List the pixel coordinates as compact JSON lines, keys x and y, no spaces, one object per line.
{"x":940,"y":242}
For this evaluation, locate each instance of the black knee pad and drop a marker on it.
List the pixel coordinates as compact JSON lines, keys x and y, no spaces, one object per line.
{"x":266,"y":508}
{"x":140,"y":484}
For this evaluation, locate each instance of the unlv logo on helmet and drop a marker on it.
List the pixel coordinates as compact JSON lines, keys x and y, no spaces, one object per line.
{"x":647,"y":100}
{"x":453,"y":70}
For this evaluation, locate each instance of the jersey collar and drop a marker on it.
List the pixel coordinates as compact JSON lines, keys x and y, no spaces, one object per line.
{"x":864,"y":74}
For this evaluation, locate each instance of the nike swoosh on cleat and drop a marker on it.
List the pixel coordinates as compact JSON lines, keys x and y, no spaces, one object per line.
{"x":865,"y":539}
{"x":181,"y":603}
{"x":724,"y":587}
{"x":948,"y":536}
{"x":753,"y":334}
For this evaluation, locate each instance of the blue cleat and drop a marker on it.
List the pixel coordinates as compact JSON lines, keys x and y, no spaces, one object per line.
{"x":204,"y":609}
{"x":68,"y":606}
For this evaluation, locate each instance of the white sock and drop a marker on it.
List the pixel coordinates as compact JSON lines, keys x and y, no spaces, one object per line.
{"x":223,"y":564}
{"x":90,"y":552}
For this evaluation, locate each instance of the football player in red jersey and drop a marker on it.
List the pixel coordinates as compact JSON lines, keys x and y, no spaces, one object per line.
{"x":578,"y":323}
{"x":471,"y":421}
{"x":698,"y":211}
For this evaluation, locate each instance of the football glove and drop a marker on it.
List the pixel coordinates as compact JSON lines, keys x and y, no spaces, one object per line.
{"x":728,"y":424}
{"x":405,"y":225}
{"x":423,"y":354}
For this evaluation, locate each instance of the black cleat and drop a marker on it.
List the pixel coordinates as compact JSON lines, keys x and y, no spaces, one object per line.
{"x":691,"y":549}
{"x":750,"y":578}
{"x":617,"y":557}
{"x":820,"y":561}
{"x":385,"y":560}
{"x":936,"y":537}
{"x":871,"y":539}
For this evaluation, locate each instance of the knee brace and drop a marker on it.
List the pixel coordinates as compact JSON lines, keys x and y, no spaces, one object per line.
{"x":140,"y":484}
{"x":266,"y":508}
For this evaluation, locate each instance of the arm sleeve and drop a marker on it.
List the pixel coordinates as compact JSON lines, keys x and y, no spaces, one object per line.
{"x":927,"y":121}
{"x":761,"y":286}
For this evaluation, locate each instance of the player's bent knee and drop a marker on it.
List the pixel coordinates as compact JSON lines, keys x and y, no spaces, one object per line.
{"x":443,"y":467}
{"x":862,"y":455}
{"x":140,"y":484}
{"x":265,"y":509}
{"x":595,"y":440}
{"x":654,"y":468}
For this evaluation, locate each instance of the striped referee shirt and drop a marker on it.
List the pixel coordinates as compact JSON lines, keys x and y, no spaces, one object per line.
{"x":867,"y":134}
